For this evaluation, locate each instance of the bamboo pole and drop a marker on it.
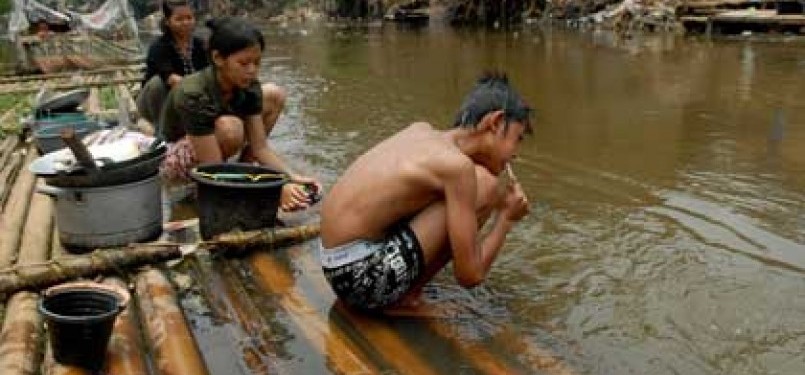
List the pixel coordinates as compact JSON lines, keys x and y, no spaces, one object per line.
{"x":68,"y":85}
{"x":98,"y":71}
{"x":45,"y":274}
{"x":20,"y":349}
{"x":10,"y":142}
{"x":14,"y":214}
{"x":22,"y":329}
{"x":35,"y":245}
{"x":7,"y":177}
{"x":238,"y":243}
{"x":342,"y":353}
{"x":126,"y":354}
{"x":172,"y":342}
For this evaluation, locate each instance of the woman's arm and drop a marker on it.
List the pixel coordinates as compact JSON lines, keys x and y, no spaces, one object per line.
{"x":294,"y":195}
{"x":256,"y":135}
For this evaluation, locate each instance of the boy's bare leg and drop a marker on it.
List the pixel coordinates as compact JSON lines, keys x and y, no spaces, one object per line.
{"x":430,"y":227}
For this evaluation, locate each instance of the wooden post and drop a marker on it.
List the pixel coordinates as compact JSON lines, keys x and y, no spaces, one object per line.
{"x":20,"y":349}
{"x":7,"y":177}
{"x":13,"y":217}
{"x":170,"y":337}
{"x":125,"y":355}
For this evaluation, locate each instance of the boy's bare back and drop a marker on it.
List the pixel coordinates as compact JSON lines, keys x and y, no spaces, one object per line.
{"x":391,"y":182}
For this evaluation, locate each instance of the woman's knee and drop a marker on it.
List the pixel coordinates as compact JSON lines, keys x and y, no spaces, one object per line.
{"x":273,"y":97}
{"x":230,"y":135}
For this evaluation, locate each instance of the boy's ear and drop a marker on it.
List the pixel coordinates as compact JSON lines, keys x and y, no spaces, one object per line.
{"x":492,"y":121}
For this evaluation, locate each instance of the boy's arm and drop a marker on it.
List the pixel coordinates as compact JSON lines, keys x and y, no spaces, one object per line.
{"x":471,"y":258}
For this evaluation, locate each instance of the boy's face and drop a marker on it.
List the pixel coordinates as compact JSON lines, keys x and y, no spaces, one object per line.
{"x":507,"y":142}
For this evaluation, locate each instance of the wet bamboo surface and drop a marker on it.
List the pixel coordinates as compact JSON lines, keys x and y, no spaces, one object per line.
{"x":273,"y":311}
{"x":21,"y":338}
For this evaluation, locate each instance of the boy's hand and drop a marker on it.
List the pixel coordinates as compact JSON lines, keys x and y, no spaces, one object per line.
{"x":515,"y":204}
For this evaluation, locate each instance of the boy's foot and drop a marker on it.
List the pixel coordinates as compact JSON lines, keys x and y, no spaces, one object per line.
{"x":414,"y":306}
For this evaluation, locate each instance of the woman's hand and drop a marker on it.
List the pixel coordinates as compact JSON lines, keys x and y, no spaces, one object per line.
{"x":300,"y":193}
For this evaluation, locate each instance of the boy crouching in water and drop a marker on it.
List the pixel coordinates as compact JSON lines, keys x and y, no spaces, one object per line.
{"x":416,"y":200}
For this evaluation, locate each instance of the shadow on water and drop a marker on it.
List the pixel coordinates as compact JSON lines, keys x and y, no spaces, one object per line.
{"x":667,"y":234}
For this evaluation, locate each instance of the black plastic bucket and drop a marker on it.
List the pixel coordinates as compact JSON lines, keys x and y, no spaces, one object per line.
{"x":80,"y":322}
{"x":236,"y":196}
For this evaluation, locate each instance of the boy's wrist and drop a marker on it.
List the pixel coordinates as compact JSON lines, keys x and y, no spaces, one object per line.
{"x":504,"y":222}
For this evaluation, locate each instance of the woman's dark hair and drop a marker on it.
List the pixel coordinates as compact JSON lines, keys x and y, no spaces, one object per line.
{"x":231,"y":34}
{"x":168,"y":7}
{"x":491,"y":93}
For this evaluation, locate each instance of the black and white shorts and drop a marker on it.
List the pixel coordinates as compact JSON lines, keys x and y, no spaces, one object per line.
{"x":371,"y":275}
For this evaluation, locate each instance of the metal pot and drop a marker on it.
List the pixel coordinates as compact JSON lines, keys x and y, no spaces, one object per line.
{"x":96,"y":217}
{"x":127,"y":171}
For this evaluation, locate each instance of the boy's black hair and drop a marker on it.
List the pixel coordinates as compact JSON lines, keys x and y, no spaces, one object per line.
{"x":168,"y":7}
{"x":493,"y":92}
{"x":232,"y":34}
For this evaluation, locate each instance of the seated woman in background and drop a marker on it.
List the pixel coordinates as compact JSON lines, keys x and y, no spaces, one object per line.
{"x":173,"y":55}
{"x":224,"y":113}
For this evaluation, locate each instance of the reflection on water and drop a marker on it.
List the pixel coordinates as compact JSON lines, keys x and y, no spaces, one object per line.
{"x":668,"y":237}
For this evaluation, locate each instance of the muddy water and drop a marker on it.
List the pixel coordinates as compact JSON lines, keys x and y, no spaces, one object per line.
{"x":668,"y":233}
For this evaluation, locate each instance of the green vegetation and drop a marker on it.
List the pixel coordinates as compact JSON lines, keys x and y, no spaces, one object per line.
{"x":5,"y":6}
{"x":108,"y":97}
{"x":19,"y":104}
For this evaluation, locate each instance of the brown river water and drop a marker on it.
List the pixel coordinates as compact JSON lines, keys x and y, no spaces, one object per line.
{"x":668,"y":233}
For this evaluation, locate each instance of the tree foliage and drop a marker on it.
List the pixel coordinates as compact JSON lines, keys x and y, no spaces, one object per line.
{"x":5,"y":6}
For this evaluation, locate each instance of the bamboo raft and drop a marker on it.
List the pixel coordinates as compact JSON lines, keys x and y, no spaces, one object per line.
{"x":108,"y":76}
{"x":263,"y":312}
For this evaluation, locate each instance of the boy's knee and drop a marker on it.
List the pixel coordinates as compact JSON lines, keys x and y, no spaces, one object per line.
{"x":487,"y":188}
{"x":229,"y":133}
